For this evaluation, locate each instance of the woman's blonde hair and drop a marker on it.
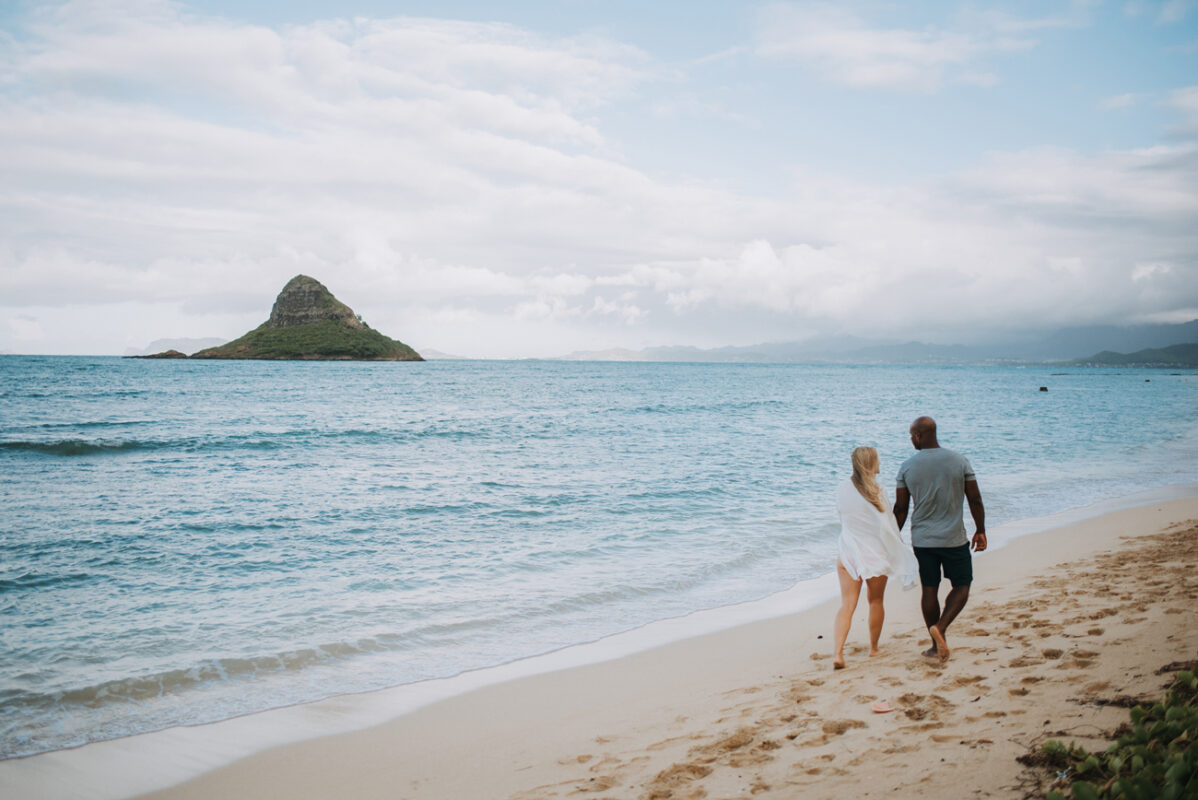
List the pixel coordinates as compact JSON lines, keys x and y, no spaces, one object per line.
{"x":865,"y":467}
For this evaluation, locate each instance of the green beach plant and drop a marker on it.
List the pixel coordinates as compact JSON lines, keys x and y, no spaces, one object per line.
{"x":1153,"y":758}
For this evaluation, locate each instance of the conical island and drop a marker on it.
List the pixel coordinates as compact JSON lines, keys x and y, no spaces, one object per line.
{"x":308,"y":323}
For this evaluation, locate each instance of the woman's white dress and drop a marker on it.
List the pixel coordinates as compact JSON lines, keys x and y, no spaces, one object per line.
{"x":870,"y":544}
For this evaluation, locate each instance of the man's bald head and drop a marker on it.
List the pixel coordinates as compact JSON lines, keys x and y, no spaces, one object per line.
{"x":923,"y":433}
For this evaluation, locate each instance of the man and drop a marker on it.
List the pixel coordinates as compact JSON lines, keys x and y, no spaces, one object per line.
{"x":937,"y":480}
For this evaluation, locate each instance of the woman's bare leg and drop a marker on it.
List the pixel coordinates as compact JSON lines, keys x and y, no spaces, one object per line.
{"x":850,"y":590}
{"x":874,"y":589}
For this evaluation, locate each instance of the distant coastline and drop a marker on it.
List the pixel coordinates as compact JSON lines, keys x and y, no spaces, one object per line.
{"x":1178,"y":356}
{"x":1069,"y":346}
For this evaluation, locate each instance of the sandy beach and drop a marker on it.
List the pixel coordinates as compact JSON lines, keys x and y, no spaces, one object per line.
{"x":1058,"y":623}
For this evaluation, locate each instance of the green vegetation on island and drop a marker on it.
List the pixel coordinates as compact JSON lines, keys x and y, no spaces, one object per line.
{"x":308,"y":323}
{"x":1178,"y":355}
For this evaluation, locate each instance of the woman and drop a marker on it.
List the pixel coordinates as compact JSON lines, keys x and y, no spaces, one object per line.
{"x":870,"y":549}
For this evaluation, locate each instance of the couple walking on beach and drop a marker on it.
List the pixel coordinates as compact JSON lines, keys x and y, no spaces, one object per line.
{"x":936,"y":481}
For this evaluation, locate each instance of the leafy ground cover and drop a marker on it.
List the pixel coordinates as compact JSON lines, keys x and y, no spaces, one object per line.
{"x":1153,"y":758}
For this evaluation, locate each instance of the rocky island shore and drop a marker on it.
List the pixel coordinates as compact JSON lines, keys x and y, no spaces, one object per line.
{"x":308,"y":323}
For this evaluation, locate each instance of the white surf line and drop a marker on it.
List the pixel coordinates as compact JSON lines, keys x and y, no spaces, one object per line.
{"x":133,"y":765}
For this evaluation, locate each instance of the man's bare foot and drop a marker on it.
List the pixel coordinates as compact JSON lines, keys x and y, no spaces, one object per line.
{"x":941,"y":644}
{"x":930,"y":653}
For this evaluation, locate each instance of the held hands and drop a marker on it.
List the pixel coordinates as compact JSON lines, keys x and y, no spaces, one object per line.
{"x":979,"y":541}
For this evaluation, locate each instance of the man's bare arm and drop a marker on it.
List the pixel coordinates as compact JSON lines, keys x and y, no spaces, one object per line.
{"x":974,"y":496}
{"x":902,"y":501}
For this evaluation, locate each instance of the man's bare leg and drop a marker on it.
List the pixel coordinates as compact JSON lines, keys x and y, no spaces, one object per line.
{"x":953,"y":604}
{"x":929,"y":603}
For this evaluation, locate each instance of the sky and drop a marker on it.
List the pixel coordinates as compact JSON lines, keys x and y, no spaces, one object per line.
{"x":527,"y":179}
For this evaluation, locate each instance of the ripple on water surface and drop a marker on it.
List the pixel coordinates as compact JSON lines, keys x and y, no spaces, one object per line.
{"x":182,"y":542}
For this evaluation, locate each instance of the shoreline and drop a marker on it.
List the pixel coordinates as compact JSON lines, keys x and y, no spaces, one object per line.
{"x":792,"y":619}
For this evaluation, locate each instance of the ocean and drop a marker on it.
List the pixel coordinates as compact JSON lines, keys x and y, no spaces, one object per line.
{"x":182,"y":542}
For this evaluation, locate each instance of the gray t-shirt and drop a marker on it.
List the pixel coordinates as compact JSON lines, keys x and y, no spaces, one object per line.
{"x":936,"y":480}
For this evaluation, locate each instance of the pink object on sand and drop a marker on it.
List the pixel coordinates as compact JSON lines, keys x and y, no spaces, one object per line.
{"x":882,"y":707}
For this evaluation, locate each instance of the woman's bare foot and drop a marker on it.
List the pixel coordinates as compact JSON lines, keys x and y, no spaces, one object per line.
{"x":941,"y":644}
{"x":838,"y":662}
{"x":875,"y":652}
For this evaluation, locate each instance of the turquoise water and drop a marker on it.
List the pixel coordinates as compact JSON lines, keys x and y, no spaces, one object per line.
{"x":186,"y":541}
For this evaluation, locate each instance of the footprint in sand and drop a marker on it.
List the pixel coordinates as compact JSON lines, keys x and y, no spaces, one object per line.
{"x":965,"y":680}
{"x":599,"y":784}
{"x":917,"y":706}
{"x":665,"y":743}
{"x":673,"y":778}
{"x":582,"y":759}
{"x":923,"y":727}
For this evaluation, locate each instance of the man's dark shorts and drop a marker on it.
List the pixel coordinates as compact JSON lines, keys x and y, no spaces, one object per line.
{"x":955,"y":561}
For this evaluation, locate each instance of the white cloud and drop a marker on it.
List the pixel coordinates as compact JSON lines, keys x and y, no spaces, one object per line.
{"x":845,"y":49}
{"x":1146,"y":270}
{"x":26,"y":328}
{"x":1118,"y":102}
{"x":982,"y":79}
{"x":166,"y":174}
{"x":1174,"y":11}
{"x":1185,"y":102}
{"x":624,"y":307}
{"x":689,"y":105}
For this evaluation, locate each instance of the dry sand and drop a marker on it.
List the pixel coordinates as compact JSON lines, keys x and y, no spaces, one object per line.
{"x":1058,"y":623}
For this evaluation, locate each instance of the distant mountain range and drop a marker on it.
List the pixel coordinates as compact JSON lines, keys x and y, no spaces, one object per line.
{"x":1177,"y":355}
{"x":436,"y":355}
{"x":182,"y":345}
{"x":1067,"y":344}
